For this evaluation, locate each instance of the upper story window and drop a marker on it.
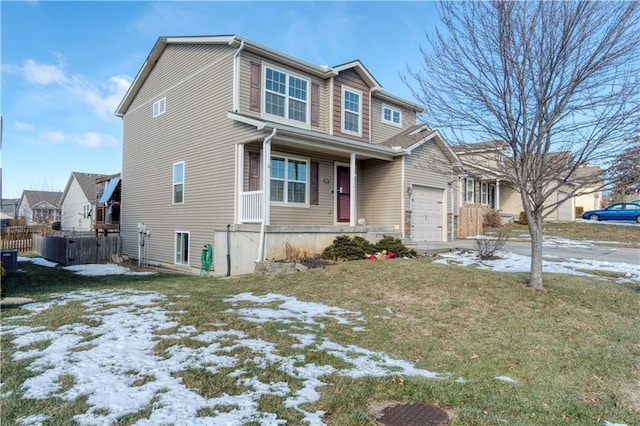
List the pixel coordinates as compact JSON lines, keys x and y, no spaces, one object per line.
{"x":289,"y":180}
{"x":159,"y":107}
{"x":391,"y":115}
{"x":286,"y":95}
{"x":351,"y":111}
{"x":178,"y":182}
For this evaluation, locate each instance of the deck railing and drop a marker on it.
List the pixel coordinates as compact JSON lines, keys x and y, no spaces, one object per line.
{"x":251,"y":207}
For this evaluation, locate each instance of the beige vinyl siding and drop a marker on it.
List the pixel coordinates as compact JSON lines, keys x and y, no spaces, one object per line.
{"x":380,"y":192}
{"x":194,"y":130}
{"x":245,"y":89}
{"x":351,"y":79}
{"x":321,"y":214}
{"x":428,"y":166}
{"x":381,"y":131}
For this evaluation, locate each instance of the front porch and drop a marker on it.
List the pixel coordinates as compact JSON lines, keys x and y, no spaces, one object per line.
{"x":237,"y":249}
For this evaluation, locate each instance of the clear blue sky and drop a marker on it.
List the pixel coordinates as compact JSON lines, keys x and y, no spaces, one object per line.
{"x":67,"y":65}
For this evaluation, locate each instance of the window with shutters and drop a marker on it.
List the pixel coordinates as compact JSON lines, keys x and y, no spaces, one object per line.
{"x":289,"y":180}
{"x":285,"y":96}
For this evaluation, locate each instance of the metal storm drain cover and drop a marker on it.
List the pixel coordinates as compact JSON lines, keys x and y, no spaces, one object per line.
{"x":413,"y":414}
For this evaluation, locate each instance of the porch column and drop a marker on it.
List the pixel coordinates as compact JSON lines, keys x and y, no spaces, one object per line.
{"x":239,"y":180}
{"x":497,"y":195}
{"x":266,"y":181}
{"x":353,"y":195}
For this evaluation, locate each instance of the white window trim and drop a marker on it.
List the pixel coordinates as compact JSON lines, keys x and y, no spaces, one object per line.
{"x":307,"y":189}
{"x":392,"y":109}
{"x":484,"y":193}
{"x":468,"y":181}
{"x":175,"y":248}
{"x":284,"y":120}
{"x":173,"y":182}
{"x":159,"y":107}
{"x":359,"y":93}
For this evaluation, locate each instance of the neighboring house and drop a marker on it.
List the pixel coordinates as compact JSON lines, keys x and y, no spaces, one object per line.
{"x":108,"y":197}
{"x":9,"y":208}
{"x":39,"y":207}
{"x":231,"y":143}
{"x":485,"y":184}
{"x":78,"y":201}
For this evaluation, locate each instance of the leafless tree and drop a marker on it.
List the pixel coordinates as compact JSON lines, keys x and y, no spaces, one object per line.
{"x":557,"y":81}
{"x":624,"y":173}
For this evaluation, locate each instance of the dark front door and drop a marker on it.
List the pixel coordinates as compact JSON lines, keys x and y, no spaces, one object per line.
{"x":343,"y":193}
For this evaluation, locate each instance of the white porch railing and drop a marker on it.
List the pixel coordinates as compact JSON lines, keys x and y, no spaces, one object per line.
{"x":251,"y":207}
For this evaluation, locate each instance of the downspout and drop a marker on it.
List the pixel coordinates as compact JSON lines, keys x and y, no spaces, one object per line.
{"x":452,"y":207}
{"x":236,"y":71}
{"x":266,"y":177}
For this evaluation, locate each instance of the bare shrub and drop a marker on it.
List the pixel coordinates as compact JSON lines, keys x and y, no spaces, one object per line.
{"x":492,"y":219}
{"x":296,"y":254}
{"x":489,"y":244}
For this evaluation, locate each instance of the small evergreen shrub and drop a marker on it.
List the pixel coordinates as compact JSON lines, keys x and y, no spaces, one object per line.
{"x":522,"y":219}
{"x":348,"y":248}
{"x":395,"y":245}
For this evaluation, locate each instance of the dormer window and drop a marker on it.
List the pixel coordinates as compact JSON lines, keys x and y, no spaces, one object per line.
{"x":391,"y":116}
{"x":351,"y":111}
{"x":285,"y":95}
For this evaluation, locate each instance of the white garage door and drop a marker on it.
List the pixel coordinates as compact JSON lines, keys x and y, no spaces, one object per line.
{"x":565,"y":210}
{"x":426,"y":213}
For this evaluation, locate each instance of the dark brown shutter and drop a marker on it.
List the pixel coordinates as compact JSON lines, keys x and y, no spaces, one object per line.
{"x":314,"y":184}
{"x":255,"y":86}
{"x":315,"y":104}
{"x":254,"y":171}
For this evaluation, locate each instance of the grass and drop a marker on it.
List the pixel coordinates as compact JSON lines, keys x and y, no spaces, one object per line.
{"x":596,"y":232}
{"x":573,"y":348}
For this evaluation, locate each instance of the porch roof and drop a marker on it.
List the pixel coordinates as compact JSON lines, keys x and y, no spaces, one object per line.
{"x":319,"y":141}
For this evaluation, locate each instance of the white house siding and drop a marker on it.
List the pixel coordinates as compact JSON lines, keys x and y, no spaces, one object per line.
{"x":381,"y":131}
{"x":72,"y":208}
{"x":427,"y":166}
{"x":196,"y":81}
{"x":380,"y":193}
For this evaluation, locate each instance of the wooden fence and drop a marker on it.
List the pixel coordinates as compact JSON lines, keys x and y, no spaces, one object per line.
{"x":70,"y":250}
{"x":20,"y":237}
{"x":471,"y":220}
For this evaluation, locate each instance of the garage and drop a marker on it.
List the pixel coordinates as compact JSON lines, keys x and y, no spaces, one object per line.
{"x":426,"y":213}
{"x":565,"y":210}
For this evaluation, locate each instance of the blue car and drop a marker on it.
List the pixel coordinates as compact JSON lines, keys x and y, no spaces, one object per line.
{"x":617,"y":211}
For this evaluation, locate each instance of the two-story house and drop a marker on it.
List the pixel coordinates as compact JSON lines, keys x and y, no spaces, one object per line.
{"x":78,"y":201}
{"x":230,"y":143}
{"x":486,"y":182}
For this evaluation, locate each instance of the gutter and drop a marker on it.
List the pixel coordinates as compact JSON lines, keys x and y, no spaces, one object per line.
{"x":236,"y":71}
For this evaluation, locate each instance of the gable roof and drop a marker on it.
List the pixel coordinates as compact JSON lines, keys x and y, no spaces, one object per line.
{"x":236,"y":41}
{"x":36,"y":197}
{"x":87,"y":183}
{"x":415,"y":136}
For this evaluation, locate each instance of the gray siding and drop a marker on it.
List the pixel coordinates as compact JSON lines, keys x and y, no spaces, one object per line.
{"x":428,"y":166}
{"x":380,"y":192}
{"x":381,"y":131}
{"x":196,"y":81}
